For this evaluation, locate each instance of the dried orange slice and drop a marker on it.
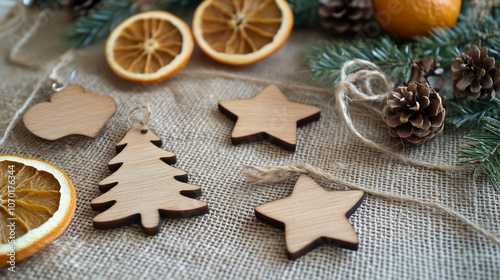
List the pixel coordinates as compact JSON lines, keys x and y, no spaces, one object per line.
{"x":239,"y":32}
{"x":149,"y":47}
{"x":37,"y":204}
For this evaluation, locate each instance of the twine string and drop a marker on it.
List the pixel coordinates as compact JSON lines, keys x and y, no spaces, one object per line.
{"x":361,"y":80}
{"x":278,"y":174}
{"x":142,"y":124}
{"x":14,"y":20}
{"x":63,"y":61}
{"x":32,"y":31}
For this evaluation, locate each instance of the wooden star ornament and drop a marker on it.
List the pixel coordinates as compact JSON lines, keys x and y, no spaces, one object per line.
{"x":268,"y":116}
{"x":312,"y":216}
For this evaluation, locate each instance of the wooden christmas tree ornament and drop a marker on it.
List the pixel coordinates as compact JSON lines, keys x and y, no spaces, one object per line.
{"x":143,"y":186}
{"x":268,"y":116}
{"x":312,"y":216}
{"x":71,"y":111}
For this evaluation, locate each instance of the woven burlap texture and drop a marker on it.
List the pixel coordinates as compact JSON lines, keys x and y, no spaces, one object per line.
{"x":397,"y":240}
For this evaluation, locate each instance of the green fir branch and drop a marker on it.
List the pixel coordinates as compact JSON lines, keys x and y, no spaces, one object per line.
{"x":99,"y":22}
{"x":482,"y":148}
{"x":450,"y":42}
{"x":470,"y":114}
{"x":327,"y":59}
{"x":394,"y":56}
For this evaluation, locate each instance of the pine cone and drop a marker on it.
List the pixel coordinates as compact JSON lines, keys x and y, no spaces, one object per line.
{"x":81,"y":7}
{"x":415,"y":113}
{"x":345,"y":16}
{"x":475,"y":75}
{"x":427,"y":70}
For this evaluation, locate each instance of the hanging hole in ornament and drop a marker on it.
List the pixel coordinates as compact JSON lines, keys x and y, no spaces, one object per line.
{"x":140,"y":122}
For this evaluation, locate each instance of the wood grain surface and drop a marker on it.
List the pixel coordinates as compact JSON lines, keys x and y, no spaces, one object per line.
{"x":312,"y":216}
{"x":72,"y":111}
{"x":268,"y":116}
{"x":144,"y":187}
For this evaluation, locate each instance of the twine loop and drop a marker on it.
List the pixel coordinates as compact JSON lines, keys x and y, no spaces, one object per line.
{"x":142,"y":124}
{"x":362,"y":80}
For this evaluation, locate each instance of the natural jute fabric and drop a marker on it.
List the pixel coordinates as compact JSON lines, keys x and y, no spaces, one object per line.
{"x":397,"y":240}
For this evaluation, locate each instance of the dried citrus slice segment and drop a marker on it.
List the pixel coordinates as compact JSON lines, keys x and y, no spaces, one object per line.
{"x":149,"y":47}
{"x":37,"y":203}
{"x":241,"y":32}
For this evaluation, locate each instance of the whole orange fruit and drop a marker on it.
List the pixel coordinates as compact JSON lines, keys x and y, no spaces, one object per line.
{"x":408,"y":18}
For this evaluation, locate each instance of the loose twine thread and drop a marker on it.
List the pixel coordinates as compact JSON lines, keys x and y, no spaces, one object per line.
{"x":361,"y":80}
{"x":278,"y":174}
{"x":19,"y":14}
{"x":53,"y":75}
{"x":14,"y":19}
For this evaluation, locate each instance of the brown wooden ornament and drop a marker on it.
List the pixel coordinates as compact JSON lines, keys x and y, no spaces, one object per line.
{"x":144,"y":187}
{"x":268,"y":116}
{"x":72,"y":111}
{"x":312,"y":216}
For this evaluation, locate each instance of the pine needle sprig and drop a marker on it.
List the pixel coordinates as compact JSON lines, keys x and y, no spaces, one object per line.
{"x":327,"y":59}
{"x":449,"y":42}
{"x":99,"y":22}
{"x":394,"y":56}
{"x":482,"y":148}
{"x":470,"y":114}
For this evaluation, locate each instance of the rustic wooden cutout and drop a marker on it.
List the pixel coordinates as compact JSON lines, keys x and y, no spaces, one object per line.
{"x":269,"y":116}
{"x":312,"y":216}
{"x":144,"y":187}
{"x":72,"y":111}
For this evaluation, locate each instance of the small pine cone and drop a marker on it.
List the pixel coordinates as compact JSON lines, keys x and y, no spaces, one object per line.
{"x":427,"y":70}
{"x":415,"y":113}
{"x":80,"y":7}
{"x":345,"y":16}
{"x":475,"y":75}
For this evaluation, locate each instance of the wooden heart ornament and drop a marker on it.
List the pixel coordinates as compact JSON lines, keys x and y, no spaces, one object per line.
{"x":72,"y":111}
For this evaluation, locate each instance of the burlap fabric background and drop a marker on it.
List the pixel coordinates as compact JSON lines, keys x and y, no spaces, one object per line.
{"x":397,"y":240}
